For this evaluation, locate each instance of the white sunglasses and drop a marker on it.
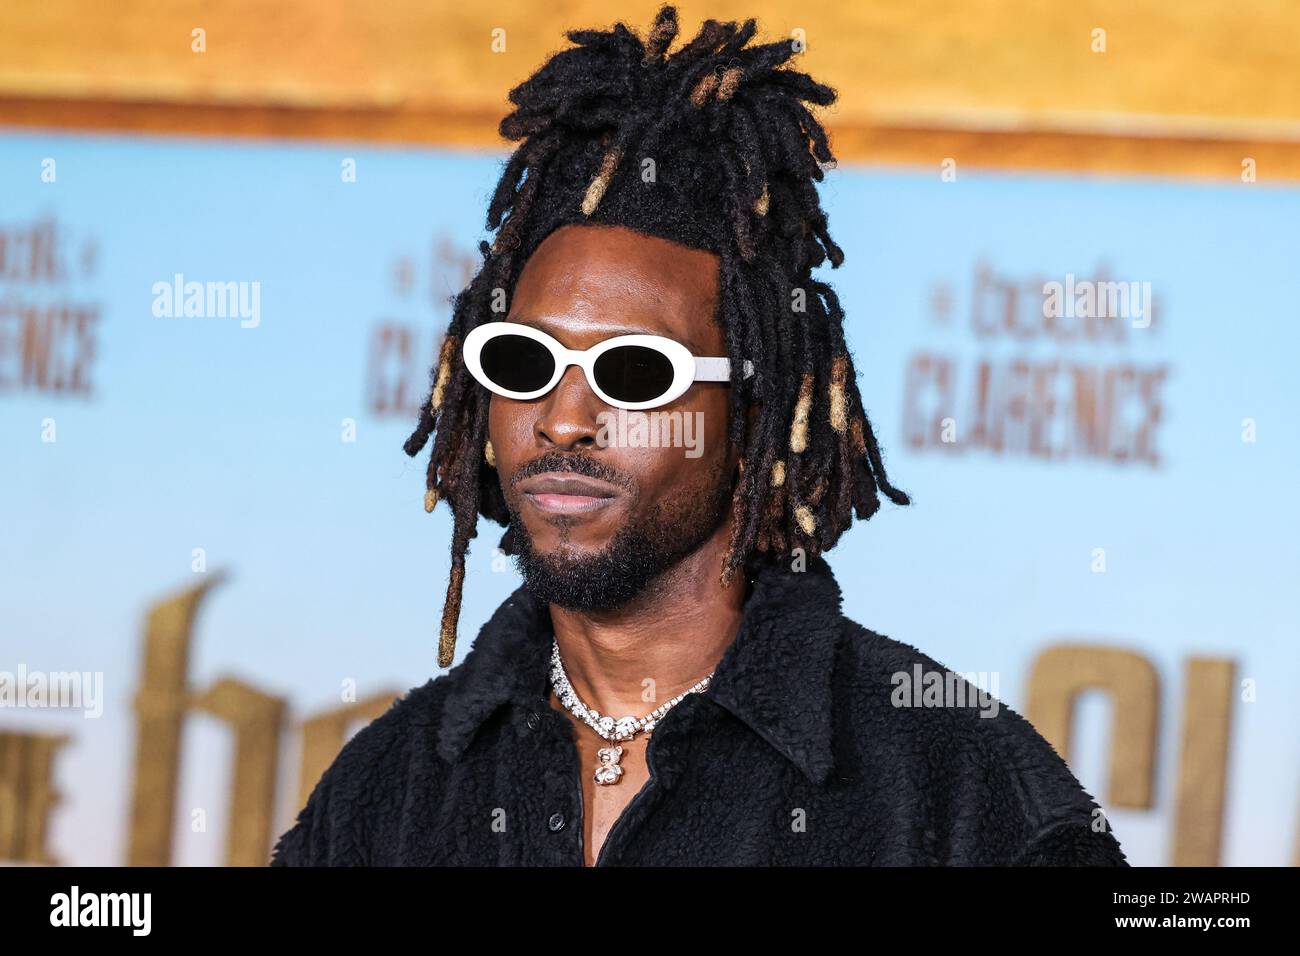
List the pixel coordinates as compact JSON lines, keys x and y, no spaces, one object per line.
{"x":626,"y":371}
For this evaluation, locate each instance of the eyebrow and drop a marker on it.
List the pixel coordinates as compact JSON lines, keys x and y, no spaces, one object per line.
{"x":543,"y":323}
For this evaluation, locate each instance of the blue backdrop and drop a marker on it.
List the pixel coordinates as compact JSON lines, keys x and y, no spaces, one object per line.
{"x":175,"y":434}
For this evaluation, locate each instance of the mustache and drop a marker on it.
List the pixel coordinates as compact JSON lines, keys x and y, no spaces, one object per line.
{"x":578,"y":464}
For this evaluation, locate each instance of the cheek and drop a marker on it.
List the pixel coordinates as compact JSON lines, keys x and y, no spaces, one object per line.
{"x":711,"y":414}
{"x":510,"y":431}
{"x":700,"y":452}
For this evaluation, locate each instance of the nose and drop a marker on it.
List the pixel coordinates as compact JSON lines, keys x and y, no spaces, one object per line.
{"x":566,"y":415}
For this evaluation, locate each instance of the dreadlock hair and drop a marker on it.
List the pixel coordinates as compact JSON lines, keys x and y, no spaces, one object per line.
{"x":710,"y":146}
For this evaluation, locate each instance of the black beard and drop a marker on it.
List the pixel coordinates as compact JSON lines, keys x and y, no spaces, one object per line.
{"x":638,"y":553}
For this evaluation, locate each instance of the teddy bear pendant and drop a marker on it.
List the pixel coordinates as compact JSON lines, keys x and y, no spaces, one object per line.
{"x":609,"y":771}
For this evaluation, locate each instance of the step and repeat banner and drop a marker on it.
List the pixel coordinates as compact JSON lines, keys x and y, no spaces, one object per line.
{"x":217,"y":566}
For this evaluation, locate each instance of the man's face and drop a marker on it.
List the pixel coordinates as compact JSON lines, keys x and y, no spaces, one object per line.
{"x":596,"y":519}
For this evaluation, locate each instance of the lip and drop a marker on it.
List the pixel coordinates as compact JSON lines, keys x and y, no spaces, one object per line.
{"x":561,"y":493}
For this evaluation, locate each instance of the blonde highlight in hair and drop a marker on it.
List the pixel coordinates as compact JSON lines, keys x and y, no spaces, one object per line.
{"x":838,"y":401}
{"x":596,"y":191}
{"x":802,"y":407}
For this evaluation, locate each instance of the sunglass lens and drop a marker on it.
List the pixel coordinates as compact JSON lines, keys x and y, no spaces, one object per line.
{"x":633,"y":373}
{"x":517,"y":363}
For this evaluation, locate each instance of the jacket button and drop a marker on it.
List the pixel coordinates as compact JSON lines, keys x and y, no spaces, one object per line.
{"x":556,"y":822}
{"x":534,"y":721}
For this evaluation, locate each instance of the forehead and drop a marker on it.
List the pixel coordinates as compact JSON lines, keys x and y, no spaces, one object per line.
{"x":586,"y":283}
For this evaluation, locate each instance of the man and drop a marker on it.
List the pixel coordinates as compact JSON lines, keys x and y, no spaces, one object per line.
{"x":674,"y":683}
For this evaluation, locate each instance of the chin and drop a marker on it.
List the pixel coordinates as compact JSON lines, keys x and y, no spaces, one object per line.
{"x":600,"y":577}
{"x":568,"y":541}
{"x":562,"y":557}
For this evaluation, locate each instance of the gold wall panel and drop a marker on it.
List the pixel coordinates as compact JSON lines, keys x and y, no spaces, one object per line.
{"x":1192,"y":87}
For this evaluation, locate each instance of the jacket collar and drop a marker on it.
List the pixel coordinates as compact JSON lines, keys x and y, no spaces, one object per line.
{"x":775,"y":676}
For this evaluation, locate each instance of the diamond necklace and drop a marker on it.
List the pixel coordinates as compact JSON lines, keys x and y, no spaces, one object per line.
{"x":625,"y":728}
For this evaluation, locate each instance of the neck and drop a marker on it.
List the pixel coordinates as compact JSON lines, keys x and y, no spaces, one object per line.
{"x":674,"y":633}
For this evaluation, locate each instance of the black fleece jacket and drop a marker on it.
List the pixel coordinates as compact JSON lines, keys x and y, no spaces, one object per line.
{"x":798,"y":753}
